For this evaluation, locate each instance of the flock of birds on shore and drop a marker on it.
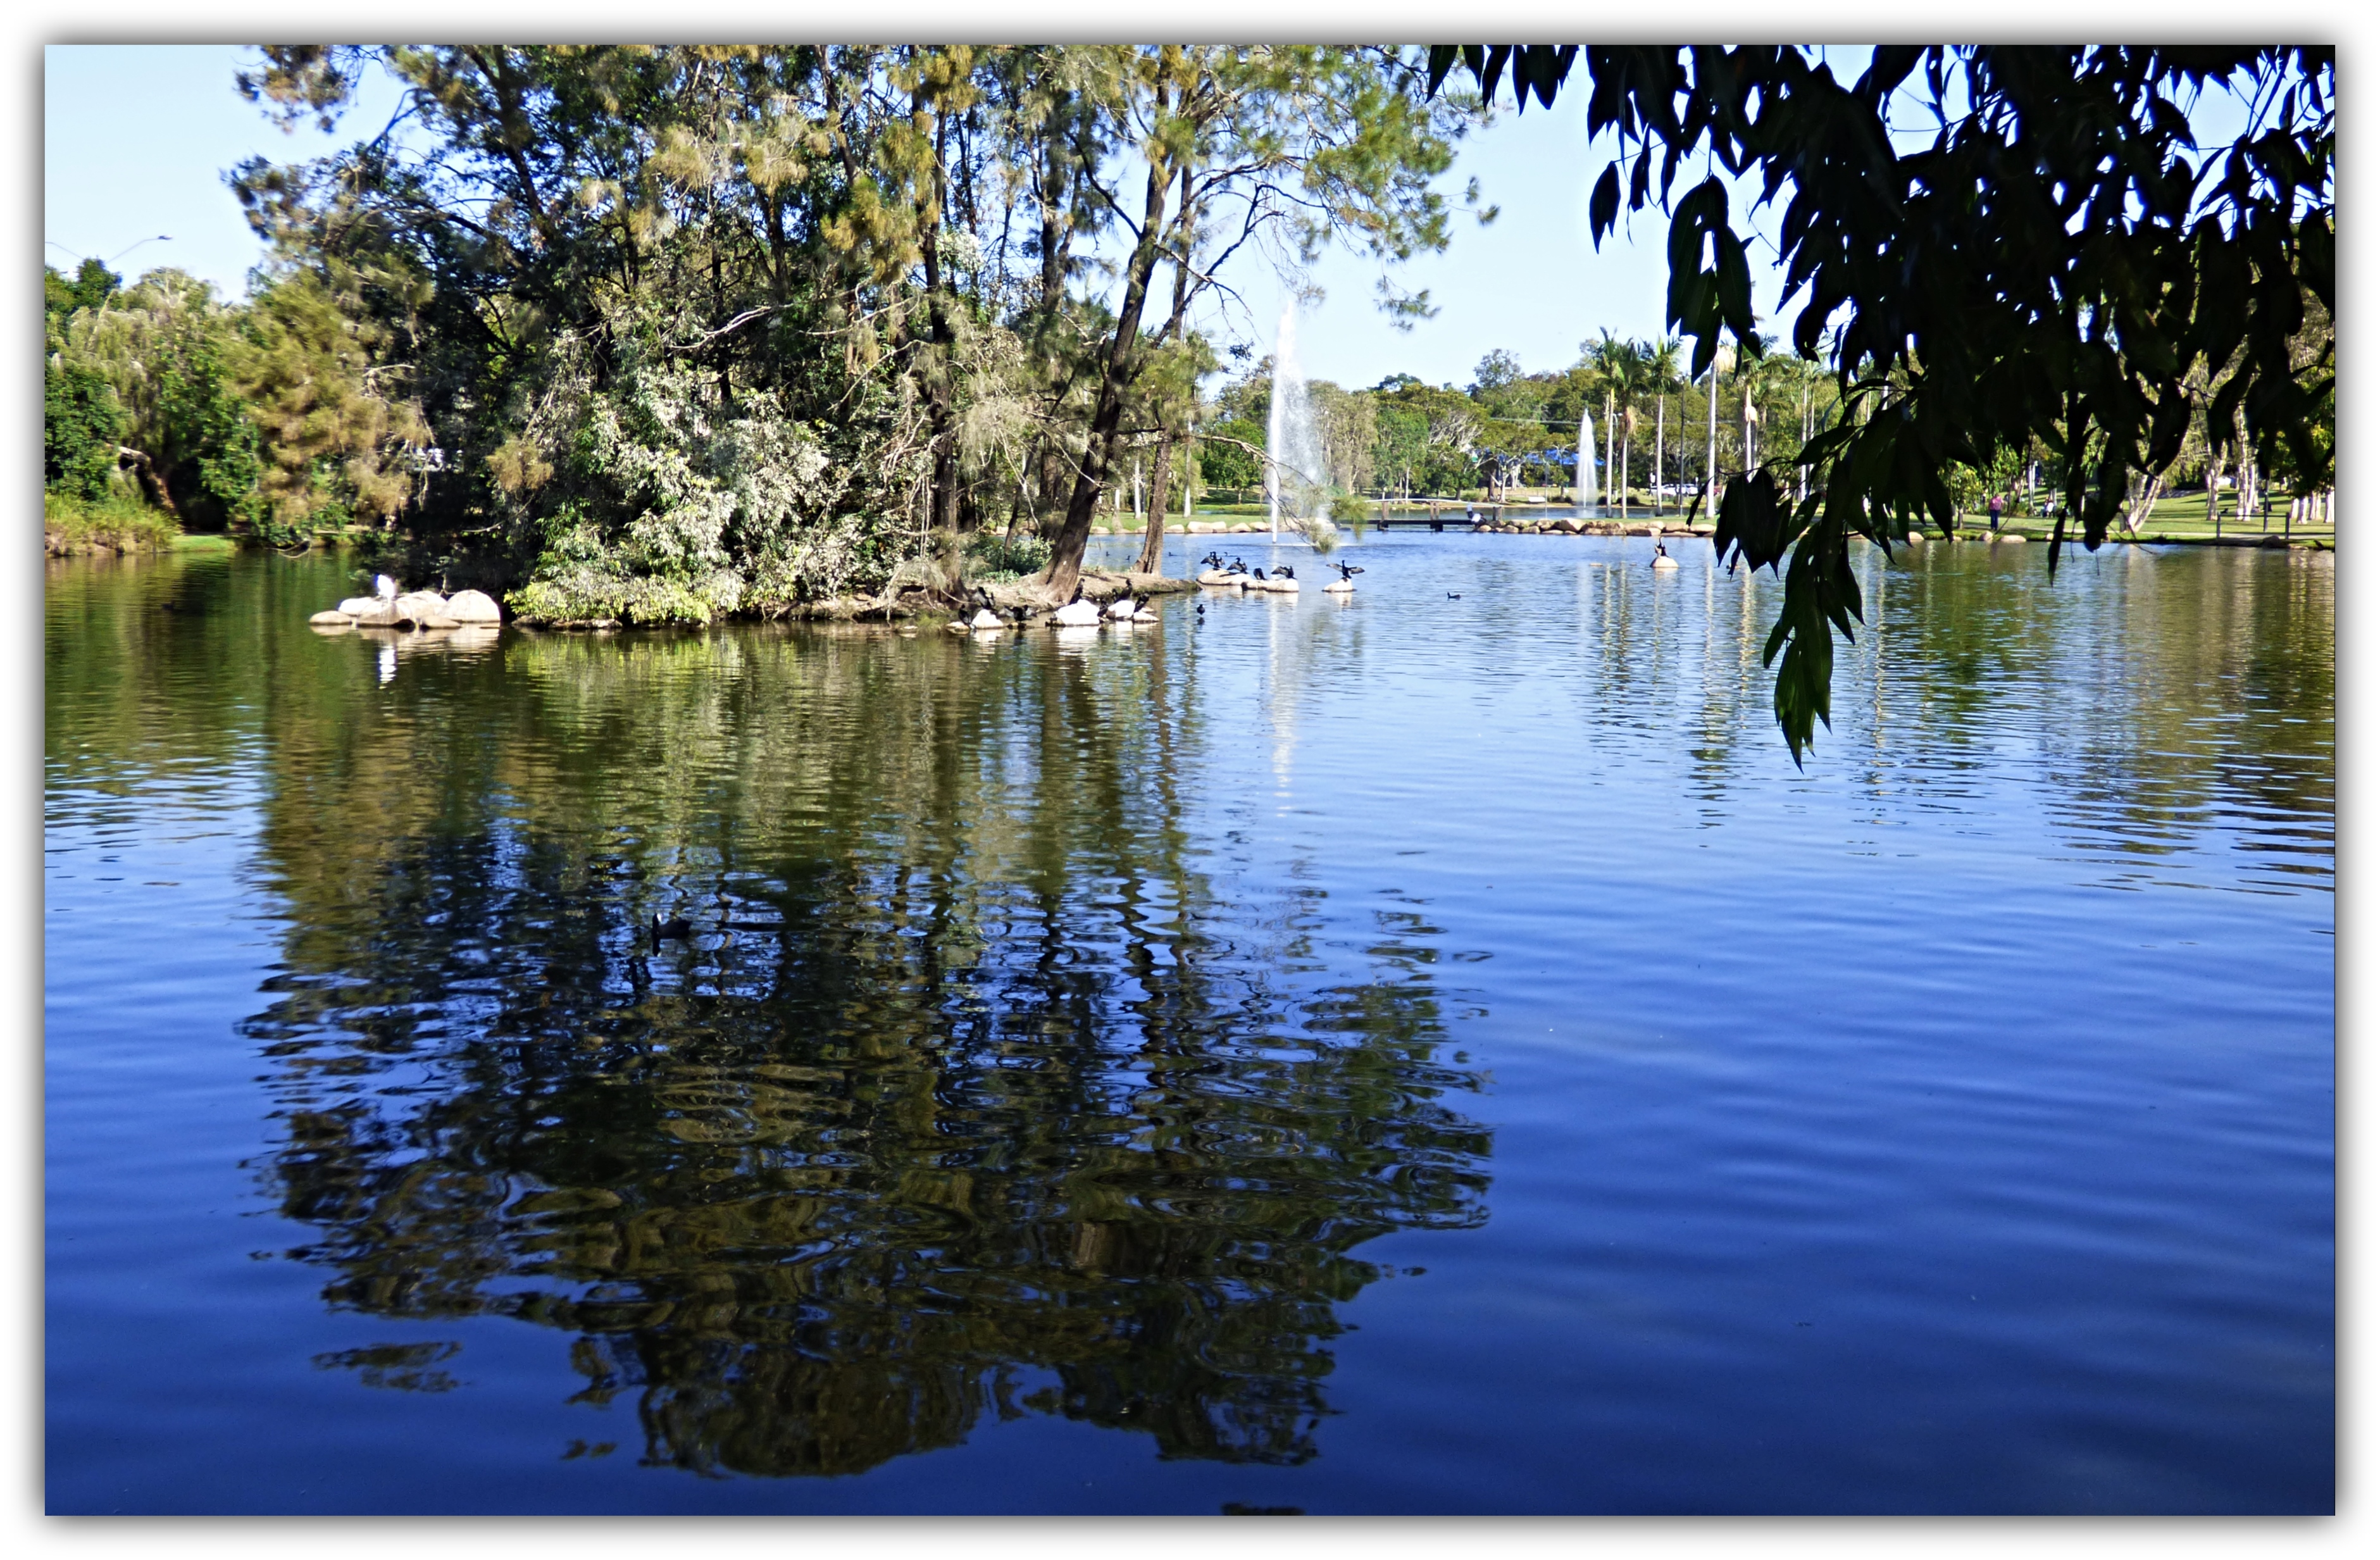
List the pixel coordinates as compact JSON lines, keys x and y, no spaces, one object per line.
{"x":1134,"y":607}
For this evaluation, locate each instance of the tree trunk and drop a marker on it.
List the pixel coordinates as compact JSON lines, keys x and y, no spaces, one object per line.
{"x":1710,"y":470}
{"x":2138,"y":511}
{"x":1152,"y":541}
{"x":150,"y":482}
{"x":1661,"y":437}
{"x":941,"y":407}
{"x":1099,"y":458}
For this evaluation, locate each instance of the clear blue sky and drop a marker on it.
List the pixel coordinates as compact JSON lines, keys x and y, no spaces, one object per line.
{"x":137,"y":139}
{"x":1529,"y":283}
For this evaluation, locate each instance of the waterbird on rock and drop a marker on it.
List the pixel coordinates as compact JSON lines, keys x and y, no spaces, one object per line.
{"x":1661,"y":558}
{"x":1078,"y":613}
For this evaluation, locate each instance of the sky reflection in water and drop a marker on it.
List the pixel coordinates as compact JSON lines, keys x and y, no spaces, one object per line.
{"x":1422,"y":1053}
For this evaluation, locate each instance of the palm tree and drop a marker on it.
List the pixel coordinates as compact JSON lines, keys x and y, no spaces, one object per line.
{"x":1662,"y":379}
{"x":1617,"y":364}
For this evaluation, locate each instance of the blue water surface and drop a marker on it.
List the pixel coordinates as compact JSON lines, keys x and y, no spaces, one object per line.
{"x":1426,"y":1052}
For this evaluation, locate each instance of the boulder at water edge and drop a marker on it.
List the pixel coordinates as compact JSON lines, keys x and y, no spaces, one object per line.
{"x":986,"y":618}
{"x":333,"y":620}
{"x":1121,"y":609}
{"x":1222,"y":580}
{"x":1076,"y":615}
{"x":419,"y":606}
{"x":356,"y":607}
{"x":474,"y":606}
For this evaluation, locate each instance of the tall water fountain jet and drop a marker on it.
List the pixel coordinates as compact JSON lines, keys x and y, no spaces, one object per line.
{"x":1586,"y":488}
{"x":1294,"y":473}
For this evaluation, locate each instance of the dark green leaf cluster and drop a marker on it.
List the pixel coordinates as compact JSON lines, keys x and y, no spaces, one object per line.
{"x":80,"y":426}
{"x":2051,"y":260}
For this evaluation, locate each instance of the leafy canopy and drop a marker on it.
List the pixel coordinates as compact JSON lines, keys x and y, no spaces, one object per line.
{"x":2055,"y":260}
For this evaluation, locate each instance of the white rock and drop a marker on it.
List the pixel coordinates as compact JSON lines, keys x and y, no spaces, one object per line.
{"x":1340,"y":588}
{"x":1077,"y":614}
{"x":1121,"y":609}
{"x":474,"y":606}
{"x":1665,"y":562}
{"x":419,"y":606}
{"x":333,"y":620}
{"x":356,"y":607}
{"x":986,"y":618}
{"x":1145,"y":615}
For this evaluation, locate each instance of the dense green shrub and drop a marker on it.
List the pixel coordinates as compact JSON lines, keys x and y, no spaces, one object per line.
{"x":82,"y":424}
{"x":993,"y":557}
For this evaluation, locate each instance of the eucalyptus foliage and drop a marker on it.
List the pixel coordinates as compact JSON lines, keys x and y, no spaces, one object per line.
{"x":707,"y":329}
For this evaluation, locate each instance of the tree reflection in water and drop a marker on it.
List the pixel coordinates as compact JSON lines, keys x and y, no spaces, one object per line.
{"x":965,"y":1072}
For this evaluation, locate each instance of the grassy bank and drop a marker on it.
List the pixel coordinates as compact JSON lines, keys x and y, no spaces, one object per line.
{"x":112,"y":524}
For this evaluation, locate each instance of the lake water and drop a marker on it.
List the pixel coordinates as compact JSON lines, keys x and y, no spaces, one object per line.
{"x":1432,"y":1053}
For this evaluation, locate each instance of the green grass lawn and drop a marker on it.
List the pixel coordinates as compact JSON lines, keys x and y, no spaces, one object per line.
{"x":2183,"y":515}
